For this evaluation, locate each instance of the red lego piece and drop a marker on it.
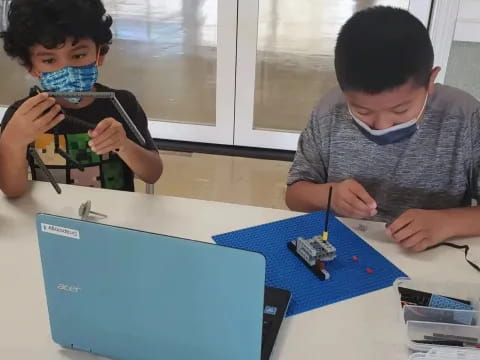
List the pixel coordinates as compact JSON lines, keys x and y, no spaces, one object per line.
{"x":354,"y":258}
{"x":370,"y":271}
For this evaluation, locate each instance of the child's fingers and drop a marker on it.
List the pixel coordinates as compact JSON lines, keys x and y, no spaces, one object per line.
{"x":114,"y":131}
{"x":44,"y":113}
{"x":421,"y":246}
{"x":405,"y":233}
{"x":356,"y":203}
{"x":102,"y":126}
{"x":357,"y":189}
{"x":107,"y":135}
{"x":107,"y":144}
{"x":44,"y":122}
{"x":39,"y":110}
{"x":105,"y":149}
{"x":414,"y":241}
{"x":360,"y":208}
{"x":31,"y":103}
{"x":398,"y":224}
{"x":350,"y":210}
{"x":55,"y":121}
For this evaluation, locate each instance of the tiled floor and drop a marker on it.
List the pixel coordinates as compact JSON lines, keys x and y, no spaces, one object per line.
{"x":223,"y":178}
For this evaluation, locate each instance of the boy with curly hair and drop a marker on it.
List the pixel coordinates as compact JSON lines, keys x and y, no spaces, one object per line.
{"x":63,"y":43}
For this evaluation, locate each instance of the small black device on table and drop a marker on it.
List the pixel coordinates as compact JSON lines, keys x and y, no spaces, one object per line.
{"x":276,"y":305}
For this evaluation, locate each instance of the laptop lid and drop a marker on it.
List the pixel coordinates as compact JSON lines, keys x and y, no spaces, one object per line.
{"x":128,"y":294}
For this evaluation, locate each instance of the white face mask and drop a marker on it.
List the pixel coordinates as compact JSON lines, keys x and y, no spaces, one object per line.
{"x":392,"y":134}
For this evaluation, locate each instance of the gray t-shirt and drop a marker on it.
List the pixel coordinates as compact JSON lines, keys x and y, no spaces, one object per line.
{"x":437,"y":168}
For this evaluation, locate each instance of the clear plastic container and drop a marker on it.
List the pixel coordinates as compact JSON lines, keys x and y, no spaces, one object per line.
{"x":456,"y":329}
{"x":447,"y":354}
{"x":436,"y":315}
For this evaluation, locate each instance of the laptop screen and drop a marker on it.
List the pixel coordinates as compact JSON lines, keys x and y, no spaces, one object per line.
{"x":133,"y":295}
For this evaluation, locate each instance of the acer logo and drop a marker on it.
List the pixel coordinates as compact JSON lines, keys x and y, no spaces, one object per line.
{"x":69,"y":288}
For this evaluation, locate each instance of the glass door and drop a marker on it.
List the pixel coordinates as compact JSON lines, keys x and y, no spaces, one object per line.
{"x":462,"y":69}
{"x":15,"y":81}
{"x":176,"y":56}
{"x":285,"y":63}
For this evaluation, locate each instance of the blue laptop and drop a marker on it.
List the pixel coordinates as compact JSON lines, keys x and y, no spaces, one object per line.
{"x":133,"y":295}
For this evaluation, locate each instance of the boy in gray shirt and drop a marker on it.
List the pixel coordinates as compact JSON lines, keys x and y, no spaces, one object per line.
{"x":394,"y":145}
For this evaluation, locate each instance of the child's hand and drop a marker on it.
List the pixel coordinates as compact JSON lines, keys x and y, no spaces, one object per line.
{"x":109,"y":135}
{"x":33,"y":119}
{"x":350,"y":199}
{"x":417,"y":230}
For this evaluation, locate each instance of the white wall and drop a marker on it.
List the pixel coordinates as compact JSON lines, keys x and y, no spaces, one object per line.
{"x":468,"y":22}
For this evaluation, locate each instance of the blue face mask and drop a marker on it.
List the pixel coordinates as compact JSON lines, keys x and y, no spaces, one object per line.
{"x":71,"y":79}
{"x":392,"y":134}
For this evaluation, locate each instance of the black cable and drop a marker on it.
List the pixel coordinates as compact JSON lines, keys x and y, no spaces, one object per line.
{"x":327,"y":215}
{"x":466,"y":248}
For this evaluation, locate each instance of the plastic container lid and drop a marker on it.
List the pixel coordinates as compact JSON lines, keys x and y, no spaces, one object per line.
{"x":447,"y":354}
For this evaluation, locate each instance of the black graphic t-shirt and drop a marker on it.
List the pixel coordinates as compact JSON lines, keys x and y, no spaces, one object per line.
{"x":107,"y":171}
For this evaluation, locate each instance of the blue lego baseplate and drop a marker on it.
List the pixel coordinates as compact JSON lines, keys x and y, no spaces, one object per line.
{"x":349,"y":278}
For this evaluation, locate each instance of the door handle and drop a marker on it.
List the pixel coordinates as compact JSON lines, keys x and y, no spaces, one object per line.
{"x":2,"y":19}
{"x":5,"y":4}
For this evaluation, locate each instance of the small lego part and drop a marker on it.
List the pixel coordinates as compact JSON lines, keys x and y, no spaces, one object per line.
{"x":362,"y":228}
{"x":370,"y":271}
{"x":354,"y":258}
{"x":85,"y":211}
{"x":320,"y":267}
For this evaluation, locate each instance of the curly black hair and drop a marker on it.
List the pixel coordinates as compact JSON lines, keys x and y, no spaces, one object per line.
{"x":50,"y":22}
{"x":381,"y":48}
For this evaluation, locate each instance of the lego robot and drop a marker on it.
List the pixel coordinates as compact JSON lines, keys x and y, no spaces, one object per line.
{"x":314,"y":253}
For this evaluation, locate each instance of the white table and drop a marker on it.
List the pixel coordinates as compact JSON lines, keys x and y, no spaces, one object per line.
{"x":366,"y":327}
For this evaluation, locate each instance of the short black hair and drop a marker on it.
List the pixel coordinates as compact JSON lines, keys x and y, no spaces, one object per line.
{"x":381,"y":48}
{"x":50,"y":22}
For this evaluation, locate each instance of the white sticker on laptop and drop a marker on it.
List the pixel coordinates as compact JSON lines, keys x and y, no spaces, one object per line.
{"x":60,"y":231}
